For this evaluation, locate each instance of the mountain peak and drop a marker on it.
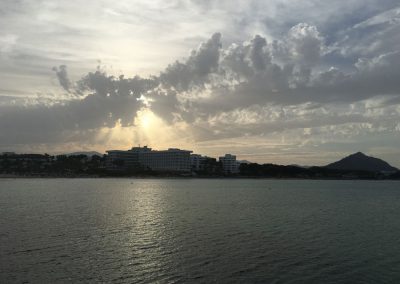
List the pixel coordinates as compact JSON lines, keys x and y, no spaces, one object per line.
{"x":360,"y":154}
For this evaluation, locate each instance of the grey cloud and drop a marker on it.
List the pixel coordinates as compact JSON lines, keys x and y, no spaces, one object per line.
{"x":259,"y":58}
{"x":213,"y":80}
{"x":114,"y":98}
{"x":240,"y":76}
{"x":305,"y":43}
{"x":374,"y":77}
{"x":165,"y":104}
{"x":105,"y":86}
{"x":62,"y":75}
{"x":110,"y":100}
{"x":377,"y":34}
{"x":46,"y":123}
{"x":318,"y":122}
{"x":296,"y":84}
{"x":194,"y":71}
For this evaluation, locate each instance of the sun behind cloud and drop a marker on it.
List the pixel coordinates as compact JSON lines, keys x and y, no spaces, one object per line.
{"x":147,"y":120}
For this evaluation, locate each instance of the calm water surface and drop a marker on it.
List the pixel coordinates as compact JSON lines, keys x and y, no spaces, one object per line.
{"x":201,"y":231}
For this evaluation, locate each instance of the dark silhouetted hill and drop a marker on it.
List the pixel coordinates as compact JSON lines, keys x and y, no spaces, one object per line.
{"x":88,"y":153}
{"x":361,"y":162}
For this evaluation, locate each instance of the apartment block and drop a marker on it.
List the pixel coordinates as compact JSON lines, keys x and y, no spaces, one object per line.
{"x":174,"y":160}
{"x":229,"y":164}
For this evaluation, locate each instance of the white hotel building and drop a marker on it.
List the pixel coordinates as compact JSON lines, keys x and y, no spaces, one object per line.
{"x":171,"y":160}
{"x":174,"y":160}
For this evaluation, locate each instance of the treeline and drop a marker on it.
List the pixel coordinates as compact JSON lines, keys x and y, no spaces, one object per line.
{"x":44,"y":164}
{"x":279,"y":171}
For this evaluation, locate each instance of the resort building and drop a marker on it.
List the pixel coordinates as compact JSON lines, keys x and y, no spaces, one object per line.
{"x":196,"y":161}
{"x":173,"y":160}
{"x":124,"y":160}
{"x":229,"y":164}
{"x":204,"y":164}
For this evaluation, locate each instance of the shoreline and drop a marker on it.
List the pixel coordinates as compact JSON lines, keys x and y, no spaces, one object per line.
{"x":2,"y":176}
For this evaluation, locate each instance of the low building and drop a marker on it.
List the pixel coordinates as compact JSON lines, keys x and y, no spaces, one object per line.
{"x":196,"y":162}
{"x":204,"y":164}
{"x":121,"y":160}
{"x":174,"y":160}
{"x":229,"y":164}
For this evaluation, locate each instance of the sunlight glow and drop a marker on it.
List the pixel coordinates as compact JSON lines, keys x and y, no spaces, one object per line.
{"x":146,"y":119}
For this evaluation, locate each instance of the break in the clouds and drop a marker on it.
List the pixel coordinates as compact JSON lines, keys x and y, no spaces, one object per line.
{"x":287,"y":82}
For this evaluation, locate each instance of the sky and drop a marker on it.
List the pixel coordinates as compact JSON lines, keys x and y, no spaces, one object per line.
{"x":279,"y":81}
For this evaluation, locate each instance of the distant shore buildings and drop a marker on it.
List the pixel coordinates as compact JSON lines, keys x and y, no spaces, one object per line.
{"x":144,"y":161}
{"x":170,"y":160}
{"x":137,"y":160}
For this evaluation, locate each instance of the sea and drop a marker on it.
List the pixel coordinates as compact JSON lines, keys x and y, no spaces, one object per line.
{"x":199,"y":231}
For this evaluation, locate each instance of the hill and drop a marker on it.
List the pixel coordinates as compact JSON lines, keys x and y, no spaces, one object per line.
{"x":362,"y":162}
{"x":89,"y":154}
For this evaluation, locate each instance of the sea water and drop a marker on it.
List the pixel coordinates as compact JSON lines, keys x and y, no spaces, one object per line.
{"x":199,"y":231}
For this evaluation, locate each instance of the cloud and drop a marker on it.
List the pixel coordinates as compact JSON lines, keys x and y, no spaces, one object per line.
{"x":195,"y":70}
{"x":7,"y":43}
{"x":259,"y":58}
{"x":214,"y":81}
{"x":305,"y":43}
{"x":62,"y":75}
{"x":275,"y":67}
{"x":103,"y":101}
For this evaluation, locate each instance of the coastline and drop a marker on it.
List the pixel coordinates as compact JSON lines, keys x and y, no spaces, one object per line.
{"x":10,"y":176}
